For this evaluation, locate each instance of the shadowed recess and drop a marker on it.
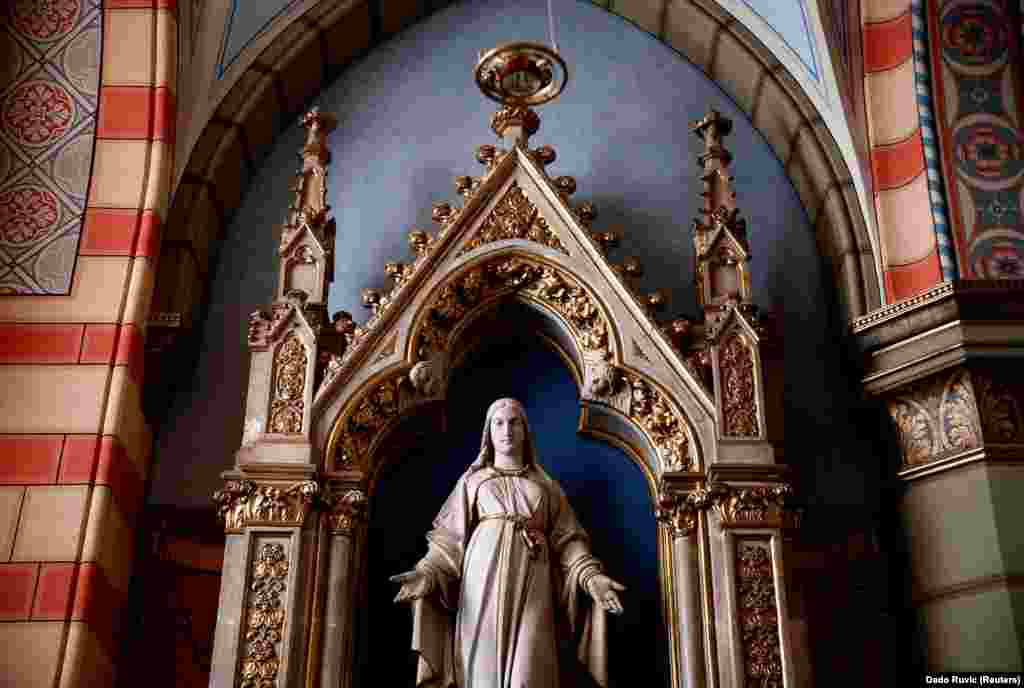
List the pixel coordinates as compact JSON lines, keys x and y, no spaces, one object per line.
{"x":606,"y":489}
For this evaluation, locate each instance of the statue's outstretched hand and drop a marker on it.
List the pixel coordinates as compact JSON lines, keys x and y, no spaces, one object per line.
{"x":604,"y":591}
{"x":415,"y":585}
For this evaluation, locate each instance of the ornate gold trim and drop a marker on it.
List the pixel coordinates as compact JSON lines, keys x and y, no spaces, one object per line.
{"x":287,"y":410}
{"x":264,"y":618}
{"x":514,"y":216}
{"x":245,"y":503}
{"x":758,"y":614}
{"x":496,"y":277}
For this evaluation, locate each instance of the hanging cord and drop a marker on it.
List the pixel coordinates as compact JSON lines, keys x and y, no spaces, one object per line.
{"x":551,"y":26}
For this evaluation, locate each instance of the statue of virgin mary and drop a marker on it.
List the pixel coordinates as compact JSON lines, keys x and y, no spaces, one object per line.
{"x":497,"y":598}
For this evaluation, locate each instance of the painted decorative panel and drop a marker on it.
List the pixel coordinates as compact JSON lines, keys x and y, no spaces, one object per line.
{"x":978,"y":102}
{"x":49,"y":82}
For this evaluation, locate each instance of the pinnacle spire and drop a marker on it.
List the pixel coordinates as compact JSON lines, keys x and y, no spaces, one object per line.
{"x":719,"y":234}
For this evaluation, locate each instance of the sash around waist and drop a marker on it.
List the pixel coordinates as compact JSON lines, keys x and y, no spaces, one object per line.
{"x":533,"y":537}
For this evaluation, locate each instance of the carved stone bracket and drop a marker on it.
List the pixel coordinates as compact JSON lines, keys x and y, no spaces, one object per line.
{"x":347,"y":510}
{"x":245,"y":503}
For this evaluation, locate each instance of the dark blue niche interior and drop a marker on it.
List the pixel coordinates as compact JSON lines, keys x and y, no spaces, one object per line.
{"x":606,"y":489}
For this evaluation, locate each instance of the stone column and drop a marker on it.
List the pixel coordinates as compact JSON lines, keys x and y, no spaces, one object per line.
{"x":947,"y":365}
{"x":347,"y":506}
{"x":680,"y":520}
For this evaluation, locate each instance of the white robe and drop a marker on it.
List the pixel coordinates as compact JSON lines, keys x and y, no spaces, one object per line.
{"x":516,"y":600}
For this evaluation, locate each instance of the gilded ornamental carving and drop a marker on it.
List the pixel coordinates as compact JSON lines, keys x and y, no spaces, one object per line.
{"x":664,"y":425}
{"x":347,"y":509}
{"x":287,"y":408}
{"x":515,"y":217}
{"x":247,"y":503}
{"x":264,"y":618}
{"x":371,"y":413}
{"x":542,"y":282}
{"x":758,"y":615}
{"x":761,"y":506}
{"x":739,"y":392}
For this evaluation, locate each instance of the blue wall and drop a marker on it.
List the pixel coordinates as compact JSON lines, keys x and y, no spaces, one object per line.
{"x":605,"y":488}
{"x":410,"y":118}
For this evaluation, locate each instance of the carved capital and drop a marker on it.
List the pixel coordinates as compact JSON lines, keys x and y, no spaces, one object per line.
{"x":761,"y":506}
{"x":347,"y":511}
{"x":677,"y":513}
{"x":244,"y":503}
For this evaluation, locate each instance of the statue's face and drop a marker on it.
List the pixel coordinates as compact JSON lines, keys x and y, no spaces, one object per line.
{"x":508,"y":431}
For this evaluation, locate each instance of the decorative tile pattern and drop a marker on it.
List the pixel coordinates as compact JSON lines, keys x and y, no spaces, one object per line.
{"x":48,"y":100}
{"x":979,"y":107}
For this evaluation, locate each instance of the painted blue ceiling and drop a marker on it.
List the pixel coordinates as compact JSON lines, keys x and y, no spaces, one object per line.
{"x":248,"y":19}
{"x":410,"y":118}
{"x":789,"y":19}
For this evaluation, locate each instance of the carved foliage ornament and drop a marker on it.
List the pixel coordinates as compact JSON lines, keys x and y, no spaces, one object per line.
{"x":503,"y":275}
{"x":758,"y":616}
{"x":761,"y":506}
{"x":739,"y":396}
{"x":265,"y":618}
{"x":370,"y":415}
{"x":666,"y":428}
{"x":515,"y":217}
{"x":936,"y":417}
{"x":287,"y":408}
{"x":245,"y":503}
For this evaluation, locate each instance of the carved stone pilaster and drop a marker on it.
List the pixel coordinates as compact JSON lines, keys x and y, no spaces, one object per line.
{"x":245,"y":503}
{"x":265,"y":616}
{"x":758,"y":615}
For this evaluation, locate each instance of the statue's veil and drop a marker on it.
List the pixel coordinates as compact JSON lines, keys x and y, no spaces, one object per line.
{"x":486,"y":456}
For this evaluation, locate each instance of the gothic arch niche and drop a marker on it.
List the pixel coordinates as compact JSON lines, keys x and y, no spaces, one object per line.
{"x":607,"y":488}
{"x":517,"y":237}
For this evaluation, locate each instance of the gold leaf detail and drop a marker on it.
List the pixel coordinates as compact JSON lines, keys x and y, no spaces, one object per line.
{"x":287,"y":409}
{"x":515,"y":217}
